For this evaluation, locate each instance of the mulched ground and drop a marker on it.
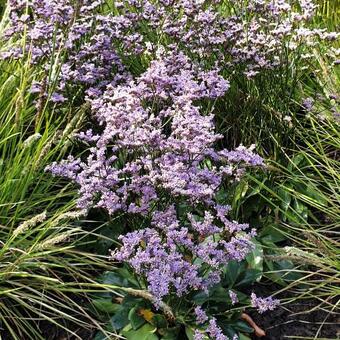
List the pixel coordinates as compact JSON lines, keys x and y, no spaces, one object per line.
{"x":293,"y":321}
{"x":298,"y":320}
{"x":53,"y":334}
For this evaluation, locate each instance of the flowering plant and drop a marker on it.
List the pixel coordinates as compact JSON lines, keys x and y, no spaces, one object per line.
{"x":215,"y":314}
{"x":155,"y":159}
{"x":154,"y":153}
{"x":240,"y":37}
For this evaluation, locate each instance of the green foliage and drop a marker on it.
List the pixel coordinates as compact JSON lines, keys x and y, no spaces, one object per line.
{"x":294,"y":205}
{"x":297,"y":209}
{"x":129,"y":309}
{"x":39,"y":265}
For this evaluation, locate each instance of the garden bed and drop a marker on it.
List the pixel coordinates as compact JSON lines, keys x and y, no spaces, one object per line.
{"x":164,"y":162}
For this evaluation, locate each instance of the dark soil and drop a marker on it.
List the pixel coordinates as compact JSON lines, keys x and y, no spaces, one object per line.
{"x":51,"y":333}
{"x":298,"y":320}
{"x":303,"y":319}
{"x":293,"y":321}
{"x":290,"y":322}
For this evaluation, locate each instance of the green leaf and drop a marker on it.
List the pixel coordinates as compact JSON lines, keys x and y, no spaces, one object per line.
{"x":114,"y":278}
{"x":119,"y":277}
{"x":227,"y":328}
{"x":243,"y":337}
{"x":200,"y":297}
{"x":301,"y":209}
{"x":314,"y":194}
{"x":285,"y":197}
{"x":249,"y":277}
{"x":271,"y":234}
{"x":256,"y":189}
{"x":221,"y":196}
{"x":296,"y":160}
{"x":217,"y":294}
{"x":169,"y":333}
{"x":106,"y":306}
{"x":183,"y":209}
{"x":242,"y":326}
{"x":159,"y":321}
{"x":135,"y":319}
{"x":255,"y":259}
{"x":240,"y":192}
{"x":146,"y":332}
{"x":120,"y":319}
{"x":189,"y":333}
{"x":131,"y":301}
{"x":232,"y":271}
{"x":242,"y":298}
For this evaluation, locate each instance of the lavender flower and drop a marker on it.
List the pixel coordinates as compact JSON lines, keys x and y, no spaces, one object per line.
{"x":161,"y":263}
{"x":92,"y":41}
{"x":75,"y":29}
{"x":215,"y":331}
{"x":201,"y":316}
{"x":165,"y":256}
{"x":57,"y":98}
{"x":242,"y":154}
{"x":170,"y":156}
{"x":198,"y":335}
{"x":263,"y":304}
{"x":144,"y":150}
{"x":233,"y":297}
{"x":156,"y":143}
{"x":308,"y":103}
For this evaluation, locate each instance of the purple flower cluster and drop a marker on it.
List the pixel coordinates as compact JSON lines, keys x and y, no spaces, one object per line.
{"x":213,"y":331}
{"x":157,"y":148}
{"x":154,"y":147}
{"x":233,"y":297}
{"x":263,"y":304}
{"x":76,"y":34}
{"x":201,"y":316}
{"x":41,"y":23}
{"x":248,"y":36}
{"x":253,"y":35}
{"x":211,"y":328}
{"x":155,"y":139}
{"x":175,"y":257}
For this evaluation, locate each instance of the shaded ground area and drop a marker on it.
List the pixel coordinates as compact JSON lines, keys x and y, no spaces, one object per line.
{"x":53,"y":334}
{"x":297,"y":321}
{"x":294,"y":321}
